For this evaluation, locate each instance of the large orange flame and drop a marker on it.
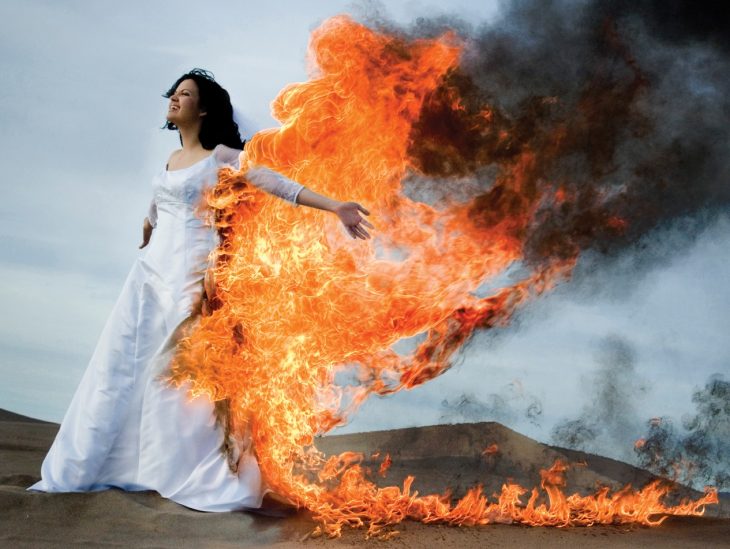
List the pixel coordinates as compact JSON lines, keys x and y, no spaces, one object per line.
{"x":298,"y":300}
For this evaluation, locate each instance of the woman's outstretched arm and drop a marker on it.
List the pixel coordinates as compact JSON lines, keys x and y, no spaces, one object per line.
{"x":274,"y":183}
{"x":348,"y":212}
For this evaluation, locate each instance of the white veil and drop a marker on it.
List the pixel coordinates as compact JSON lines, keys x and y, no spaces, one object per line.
{"x":246,"y":126}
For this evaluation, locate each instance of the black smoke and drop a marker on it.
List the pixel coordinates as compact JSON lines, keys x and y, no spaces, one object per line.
{"x":625,"y":106}
{"x":699,"y":453}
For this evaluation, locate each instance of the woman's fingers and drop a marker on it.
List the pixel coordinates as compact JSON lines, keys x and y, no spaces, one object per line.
{"x":362,"y":232}
{"x":358,"y":232}
{"x":355,"y":224}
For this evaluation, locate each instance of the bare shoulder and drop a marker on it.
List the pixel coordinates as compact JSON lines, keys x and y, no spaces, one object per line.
{"x":173,"y":155}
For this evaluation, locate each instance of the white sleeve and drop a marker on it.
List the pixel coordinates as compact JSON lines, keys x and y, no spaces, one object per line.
{"x":260,"y":176}
{"x":152,"y":212}
{"x":274,"y":183}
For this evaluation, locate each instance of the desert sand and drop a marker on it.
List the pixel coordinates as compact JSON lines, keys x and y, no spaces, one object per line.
{"x":440,"y":457}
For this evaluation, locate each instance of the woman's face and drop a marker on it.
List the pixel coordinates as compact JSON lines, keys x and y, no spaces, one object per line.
{"x":183,"y":109}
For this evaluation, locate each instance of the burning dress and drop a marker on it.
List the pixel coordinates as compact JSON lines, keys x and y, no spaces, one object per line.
{"x":126,"y":428}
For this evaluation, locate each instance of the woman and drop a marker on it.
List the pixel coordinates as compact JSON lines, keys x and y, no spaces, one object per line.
{"x":125,"y":428}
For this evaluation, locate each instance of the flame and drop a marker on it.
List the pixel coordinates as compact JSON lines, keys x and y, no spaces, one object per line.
{"x":297,"y":301}
{"x":491,"y":450}
{"x":385,"y":465}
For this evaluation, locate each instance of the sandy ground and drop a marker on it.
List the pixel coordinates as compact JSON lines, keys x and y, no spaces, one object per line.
{"x":440,"y":457}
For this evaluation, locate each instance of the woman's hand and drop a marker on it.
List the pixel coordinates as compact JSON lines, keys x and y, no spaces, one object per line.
{"x":146,"y":232}
{"x":349,"y":214}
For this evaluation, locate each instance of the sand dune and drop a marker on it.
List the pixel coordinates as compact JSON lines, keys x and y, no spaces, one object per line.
{"x":441,"y":457}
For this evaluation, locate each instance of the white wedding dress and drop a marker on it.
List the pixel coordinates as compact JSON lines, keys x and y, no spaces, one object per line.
{"x":126,"y":429}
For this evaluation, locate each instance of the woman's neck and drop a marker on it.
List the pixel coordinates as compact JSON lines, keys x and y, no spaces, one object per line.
{"x":190,"y":139}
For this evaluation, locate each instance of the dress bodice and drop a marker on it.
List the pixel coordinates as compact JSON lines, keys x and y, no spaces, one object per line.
{"x":185,"y":186}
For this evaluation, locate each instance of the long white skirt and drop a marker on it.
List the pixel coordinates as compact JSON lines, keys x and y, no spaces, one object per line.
{"x":126,"y":429}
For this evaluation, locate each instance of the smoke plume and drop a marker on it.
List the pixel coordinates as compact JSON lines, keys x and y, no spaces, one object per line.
{"x":622,"y":108}
{"x":701,"y":453}
{"x":609,"y":418}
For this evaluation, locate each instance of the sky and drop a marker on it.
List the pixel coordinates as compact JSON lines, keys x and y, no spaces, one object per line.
{"x":81,"y":109}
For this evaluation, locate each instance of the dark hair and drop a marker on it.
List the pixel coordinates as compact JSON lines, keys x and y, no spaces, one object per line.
{"x":218,"y":125}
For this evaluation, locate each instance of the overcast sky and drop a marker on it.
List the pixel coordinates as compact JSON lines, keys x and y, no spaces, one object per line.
{"x":81,"y":111}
